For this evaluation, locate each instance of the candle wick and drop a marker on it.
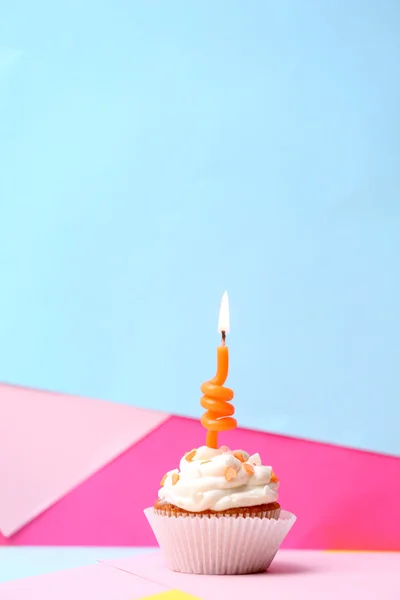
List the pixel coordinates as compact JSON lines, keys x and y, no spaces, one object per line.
{"x":223,"y":335}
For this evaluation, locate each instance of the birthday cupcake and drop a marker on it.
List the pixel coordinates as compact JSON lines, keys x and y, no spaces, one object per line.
{"x":218,"y":514}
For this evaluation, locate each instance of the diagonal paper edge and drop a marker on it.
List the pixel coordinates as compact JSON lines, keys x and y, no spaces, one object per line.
{"x":7,"y":421}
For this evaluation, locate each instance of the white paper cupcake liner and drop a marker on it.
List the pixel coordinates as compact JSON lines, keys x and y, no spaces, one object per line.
{"x":226,"y":545}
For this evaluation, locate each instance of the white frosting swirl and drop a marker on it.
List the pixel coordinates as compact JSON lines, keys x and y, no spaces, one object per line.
{"x":209,"y":479}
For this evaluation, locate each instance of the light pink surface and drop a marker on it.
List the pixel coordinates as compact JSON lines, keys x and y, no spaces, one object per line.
{"x":94,"y":582}
{"x":50,"y":443}
{"x":293,"y":574}
{"x":332,"y":490}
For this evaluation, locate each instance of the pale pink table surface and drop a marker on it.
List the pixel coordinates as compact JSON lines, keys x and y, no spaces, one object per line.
{"x":295,"y":574}
{"x":93,"y":582}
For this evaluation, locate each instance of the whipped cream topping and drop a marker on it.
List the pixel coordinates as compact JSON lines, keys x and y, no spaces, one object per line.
{"x":209,"y":479}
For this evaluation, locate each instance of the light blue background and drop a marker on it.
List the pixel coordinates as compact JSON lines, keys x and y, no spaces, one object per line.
{"x":155,"y":153}
{"x":16,"y":563}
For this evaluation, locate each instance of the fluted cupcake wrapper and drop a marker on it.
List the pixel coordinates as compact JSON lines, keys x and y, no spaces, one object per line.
{"x":219,"y":545}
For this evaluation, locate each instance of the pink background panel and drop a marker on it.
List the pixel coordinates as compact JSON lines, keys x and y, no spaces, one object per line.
{"x":344,"y":499}
{"x":50,"y":443}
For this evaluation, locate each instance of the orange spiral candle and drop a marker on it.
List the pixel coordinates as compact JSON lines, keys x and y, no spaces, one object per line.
{"x":216,"y":399}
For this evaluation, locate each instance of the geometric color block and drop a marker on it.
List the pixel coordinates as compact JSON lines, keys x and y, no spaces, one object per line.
{"x":172,"y":595}
{"x":332,"y":490}
{"x":50,"y":443}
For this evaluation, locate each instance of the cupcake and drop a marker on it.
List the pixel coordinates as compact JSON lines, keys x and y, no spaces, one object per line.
{"x":219,"y":513}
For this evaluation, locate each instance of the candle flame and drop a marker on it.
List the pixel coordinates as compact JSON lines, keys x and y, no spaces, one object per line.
{"x":223,"y":321}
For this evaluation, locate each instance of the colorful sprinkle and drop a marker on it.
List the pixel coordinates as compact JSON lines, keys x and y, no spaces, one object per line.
{"x":249,"y":468}
{"x":190,"y":455}
{"x":230,"y":473}
{"x":239,"y":456}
